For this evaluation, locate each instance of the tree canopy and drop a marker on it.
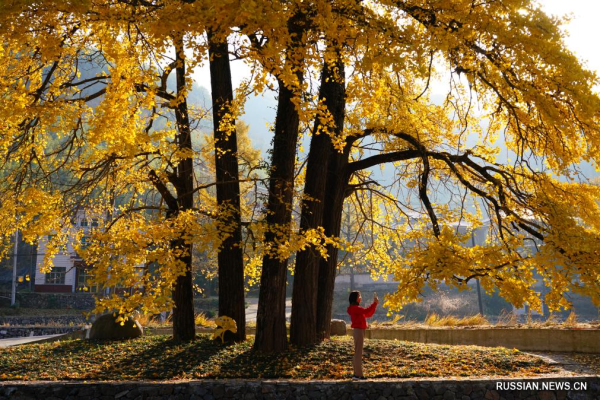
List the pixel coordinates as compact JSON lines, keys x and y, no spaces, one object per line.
{"x":358,"y":78}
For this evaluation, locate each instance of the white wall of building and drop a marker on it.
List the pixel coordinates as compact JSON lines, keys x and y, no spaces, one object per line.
{"x":65,"y":258}
{"x":60,"y":260}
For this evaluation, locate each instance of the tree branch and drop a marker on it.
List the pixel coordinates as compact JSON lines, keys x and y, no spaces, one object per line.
{"x":163,"y":190}
{"x":369,"y":162}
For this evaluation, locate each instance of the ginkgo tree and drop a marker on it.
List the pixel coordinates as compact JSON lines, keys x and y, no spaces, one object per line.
{"x":509,"y":77}
{"x":95,"y":125}
{"x":358,"y":78}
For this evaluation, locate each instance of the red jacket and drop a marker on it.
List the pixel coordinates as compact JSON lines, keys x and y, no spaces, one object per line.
{"x":359,"y":315}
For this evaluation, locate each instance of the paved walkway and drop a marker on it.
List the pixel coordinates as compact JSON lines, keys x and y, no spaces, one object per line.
{"x":252,"y":309}
{"x":572,"y":363}
{"x":24,"y":340}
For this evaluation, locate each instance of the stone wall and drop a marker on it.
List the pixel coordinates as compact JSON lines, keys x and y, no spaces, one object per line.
{"x":77,"y":301}
{"x":347,"y":390}
{"x":22,"y":326}
{"x":527,"y":339}
{"x":55,"y":320}
{"x":24,"y":331}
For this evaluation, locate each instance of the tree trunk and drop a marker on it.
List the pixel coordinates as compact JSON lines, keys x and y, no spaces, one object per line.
{"x":303,"y":328}
{"x":271,"y":335}
{"x":230,"y":257}
{"x":338,"y":175}
{"x":183,"y":293}
{"x":184,"y":329}
{"x":337,"y":182}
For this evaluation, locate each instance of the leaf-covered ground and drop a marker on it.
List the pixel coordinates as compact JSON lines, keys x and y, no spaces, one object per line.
{"x":159,"y":358}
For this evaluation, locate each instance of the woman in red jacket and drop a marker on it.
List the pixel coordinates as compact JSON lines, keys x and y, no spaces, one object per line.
{"x":358,"y":316}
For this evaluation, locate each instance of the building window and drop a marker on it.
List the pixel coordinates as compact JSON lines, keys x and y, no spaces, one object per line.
{"x":84,"y":281}
{"x":84,"y":222}
{"x":56,"y":276}
{"x":85,"y":242}
{"x":94,"y":223}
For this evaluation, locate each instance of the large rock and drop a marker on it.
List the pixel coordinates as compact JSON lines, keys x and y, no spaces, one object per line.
{"x":105,"y":327}
{"x":338,"y":327}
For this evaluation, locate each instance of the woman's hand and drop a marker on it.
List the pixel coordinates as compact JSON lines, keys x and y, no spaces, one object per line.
{"x":375,"y":298}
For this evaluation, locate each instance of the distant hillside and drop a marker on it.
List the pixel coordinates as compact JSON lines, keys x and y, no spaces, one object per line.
{"x":260,"y":115}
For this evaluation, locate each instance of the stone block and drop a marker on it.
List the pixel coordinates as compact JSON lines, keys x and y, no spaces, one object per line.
{"x":338,"y":327}
{"x":106,"y":327}
{"x":449,"y":395}
{"x":199,"y":390}
{"x":218,"y":391}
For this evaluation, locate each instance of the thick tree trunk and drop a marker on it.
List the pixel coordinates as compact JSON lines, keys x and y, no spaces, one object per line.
{"x":183,"y":294}
{"x":271,"y":335}
{"x":303,"y":328}
{"x":230,"y":257}
{"x":337,"y":183}
{"x":184,"y":329}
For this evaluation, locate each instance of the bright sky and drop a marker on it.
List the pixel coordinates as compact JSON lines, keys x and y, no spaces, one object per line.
{"x":584,"y":28}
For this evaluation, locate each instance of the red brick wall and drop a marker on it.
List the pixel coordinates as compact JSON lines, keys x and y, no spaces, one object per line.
{"x":53,"y":288}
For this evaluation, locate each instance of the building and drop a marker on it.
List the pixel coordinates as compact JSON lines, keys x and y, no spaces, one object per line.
{"x":69,"y":273}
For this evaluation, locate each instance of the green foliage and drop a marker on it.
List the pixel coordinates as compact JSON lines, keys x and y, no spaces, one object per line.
{"x":209,"y":306}
{"x":494,"y":304}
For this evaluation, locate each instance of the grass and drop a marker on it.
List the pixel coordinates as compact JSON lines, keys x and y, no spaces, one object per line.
{"x":436,"y":320}
{"x":159,"y":358}
{"x":151,"y":321}
{"x":507,"y":320}
{"x":571,"y":320}
{"x":202,"y":320}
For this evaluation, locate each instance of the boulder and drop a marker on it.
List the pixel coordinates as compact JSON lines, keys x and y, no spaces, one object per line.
{"x":338,"y":327}
{"x":106,"y":327}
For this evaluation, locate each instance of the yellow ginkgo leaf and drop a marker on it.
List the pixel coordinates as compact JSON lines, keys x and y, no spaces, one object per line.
{"x":224,"y":324}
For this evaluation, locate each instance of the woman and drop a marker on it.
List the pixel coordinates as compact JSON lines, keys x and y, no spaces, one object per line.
{"x":358,"y":316}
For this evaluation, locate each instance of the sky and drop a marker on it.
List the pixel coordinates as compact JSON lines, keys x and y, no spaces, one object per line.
{"x":583,"y":30}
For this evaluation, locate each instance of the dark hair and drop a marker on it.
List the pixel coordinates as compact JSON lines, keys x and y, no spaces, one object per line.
{"x":353,"y":299}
